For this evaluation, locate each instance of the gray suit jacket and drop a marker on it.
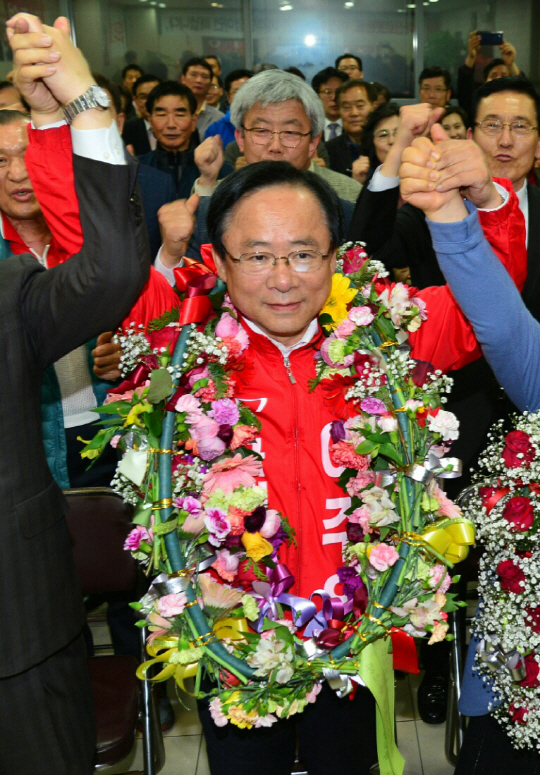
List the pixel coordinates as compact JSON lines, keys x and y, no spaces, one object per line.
{"x":45,"y":314}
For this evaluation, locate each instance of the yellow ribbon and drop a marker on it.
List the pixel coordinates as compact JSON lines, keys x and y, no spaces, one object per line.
{"x":451,"y":538}
{"x":163,"y":648}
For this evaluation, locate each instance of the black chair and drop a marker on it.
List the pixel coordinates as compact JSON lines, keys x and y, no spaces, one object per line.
{"x":98,"y":522}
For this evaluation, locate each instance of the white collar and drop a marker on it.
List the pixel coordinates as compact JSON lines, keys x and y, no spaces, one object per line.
{"x":308,"y":335}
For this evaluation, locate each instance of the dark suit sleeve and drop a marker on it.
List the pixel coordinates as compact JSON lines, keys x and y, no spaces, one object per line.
{"x":200,"y":233}
{"x":66,"y":306}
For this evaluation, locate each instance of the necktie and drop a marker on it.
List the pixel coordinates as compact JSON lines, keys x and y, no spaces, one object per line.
{"x":333,"y":130}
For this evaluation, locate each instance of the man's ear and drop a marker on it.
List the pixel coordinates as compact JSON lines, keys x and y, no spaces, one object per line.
{"x":121,"y":120}
{"x":239,"y":137}
{"x":469,"y":134}
{"x":313,"y":145}
{"x":221,"y":265}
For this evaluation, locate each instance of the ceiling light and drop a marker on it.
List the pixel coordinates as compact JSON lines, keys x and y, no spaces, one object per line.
{"x":216,"y":5}
{"x":162,"y":5}
{"x":349,"y":4}
{"x":285,"y":7}
{"x":411,"y":5}
{"x":310,"y":40}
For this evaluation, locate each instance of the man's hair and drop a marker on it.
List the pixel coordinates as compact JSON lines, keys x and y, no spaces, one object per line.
{"x":9,"y":85}
{"x":11,"y":116}
{"x":494,"y":63}
{"x":515,"y":83}
{"x":351,"y":83}
{"x":295,"y":71}
{"x":387,"y":110}
{"x":199,"y":62}
{"x":131,"y":67}
{"x":323,"y":76}
{"x":213,"y":56}
{"x":234,"y":75}
{"x":273,"y":87}
{"x":265,"y":174}
{"x":113,"y":90}
{"x":147,"y":78}
{"x":436,"y":72}
{"x":456,"y":109}
{"x":382,"y":89}
{"x":349,"y":56}
{"x":171,"y":88}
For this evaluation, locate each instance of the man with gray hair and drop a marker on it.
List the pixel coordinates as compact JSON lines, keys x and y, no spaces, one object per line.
{"x":277,"y":117}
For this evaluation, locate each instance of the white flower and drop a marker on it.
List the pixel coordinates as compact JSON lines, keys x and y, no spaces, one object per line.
{"x":445,"y":423}
{"x":273,"y":655}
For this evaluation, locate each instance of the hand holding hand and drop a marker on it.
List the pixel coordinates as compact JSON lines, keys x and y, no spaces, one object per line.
{"x":177,"y":222}
{"x":106,"y":356}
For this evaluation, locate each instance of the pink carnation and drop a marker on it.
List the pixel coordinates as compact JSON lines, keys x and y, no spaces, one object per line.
{"x":271,"y":524}
{"x":436,"y":573}
{"x":361,"y":517}
{"x":218,"y":717}
{"x":242,"y":435}
{"x":135,"y":538}
{"x":217,"y":524}
{"x":361,"y":316}
{"x":360,"y":482}
{"x":188,"y":403}
{"x":446,"y":507}
{"x":311,"y":696}
{"x":172,"y":605}
{"x":383,"y":556}
{"x":346,"y":328}
{"x":342,"y":454}
{"x":226,"y":564}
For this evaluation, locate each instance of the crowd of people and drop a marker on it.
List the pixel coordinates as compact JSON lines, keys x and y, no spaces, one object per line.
{"x":242,"y":160}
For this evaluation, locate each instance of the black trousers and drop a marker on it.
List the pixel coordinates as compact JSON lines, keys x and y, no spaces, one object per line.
{"x":47,"y":717}
{"x":487,"y":750}
{"x":334,"y":736}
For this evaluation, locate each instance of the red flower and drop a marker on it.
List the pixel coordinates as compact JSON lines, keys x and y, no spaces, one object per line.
{"x":534,"y":614}
{"x":354,"y":259}
{"x":486,"y":494}
{"x":334,"y":391}
{"x":518,"y":443}
{"x":533,"y":668}
{"x":164,"y":337}
{"x":535,"y":487}
{"x":517,"y":714}
{"x":510,"y":576}
{"x":519,"y":512}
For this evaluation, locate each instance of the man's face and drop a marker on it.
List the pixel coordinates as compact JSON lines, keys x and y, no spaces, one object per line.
{"x":172,"y":122}
{"x":499,"y":71}
{"x":198,"y":78}
{"x":354,"y":109}
{"x":277,"y":220}
{"x":327,"y":94}
{"x":17,"y":198}
{"x":215,"y":92}
{"x":454,"y":127}
{"x":509,"y":156}
{"x":143,"y":90}
{"x":349,"y":66}
{"x":235,"y":85}
{"x":130,"y":78}
{"x":214,"y":64}
{"x":288,"y":116}
{"x":11,"y":99}
{"x":434,"y":91}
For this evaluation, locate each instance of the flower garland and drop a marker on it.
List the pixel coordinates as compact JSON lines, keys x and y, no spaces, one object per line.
{"x":506,"y":509}
{"x":204,"y":525}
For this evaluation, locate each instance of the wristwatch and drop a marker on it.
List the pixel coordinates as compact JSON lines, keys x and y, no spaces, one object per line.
{"x":94,"y":97}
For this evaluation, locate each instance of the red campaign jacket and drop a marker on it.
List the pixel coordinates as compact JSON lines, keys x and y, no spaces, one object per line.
{"x":294,"y":443}
{"x":49,"y":159}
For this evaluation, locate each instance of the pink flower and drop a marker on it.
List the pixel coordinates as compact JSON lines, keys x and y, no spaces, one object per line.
{"x":135,"y":538}
{"x":112,"y":397}
{"x":218,"y":717}
{"x":361,"y":316}
{"x":387,"y":423}
{"x":227,"y":326}
{"x":383,"y":556}
{"x":187,"y":403}
{"x":436,"y":573}
{"x":172,"y":605}
{"x":231,"y":473}
{"x":446,"y":507}
{"x":202,"y":426}
{"x":343,"y":454}
{"x":422,"y":306}
{"x":373,"y":405}
{"x":360,"y":482}
{"x":211,"y":448}
{"x":271,"y":523}
{"x":114,"y":441}
{"x":242,"y":435}
{"x":201,"y":372}
{"x":361,"y":517}
{"x":217,"y":524}
{"x":311,"y":696}
{"x":345,"y":328}
{"x":226,"y":564}
{"x":232,"y":333}
{"x":225,"y":412}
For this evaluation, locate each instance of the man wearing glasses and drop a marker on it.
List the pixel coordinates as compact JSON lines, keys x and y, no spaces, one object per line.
{"x":351,"y":65}
{"x":435,"y":86}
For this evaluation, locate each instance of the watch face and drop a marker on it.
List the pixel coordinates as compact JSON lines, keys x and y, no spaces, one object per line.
{"x":100,"y":96}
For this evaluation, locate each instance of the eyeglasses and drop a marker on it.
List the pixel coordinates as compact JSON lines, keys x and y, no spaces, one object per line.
{"x":384,"y":134}
{"x":328,"y":92}
{"x":214,"y":87}
{"x":348,"y":68}
{"x":493,"y":127}
{"x":265,"y":136}
{"x":301,"y":261}
{"x":433,"y":89}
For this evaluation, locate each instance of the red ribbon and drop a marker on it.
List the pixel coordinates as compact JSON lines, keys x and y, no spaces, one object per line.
{"x":404,"y":651}
{"x":196,"y":280}
{"x":496,"y":497}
